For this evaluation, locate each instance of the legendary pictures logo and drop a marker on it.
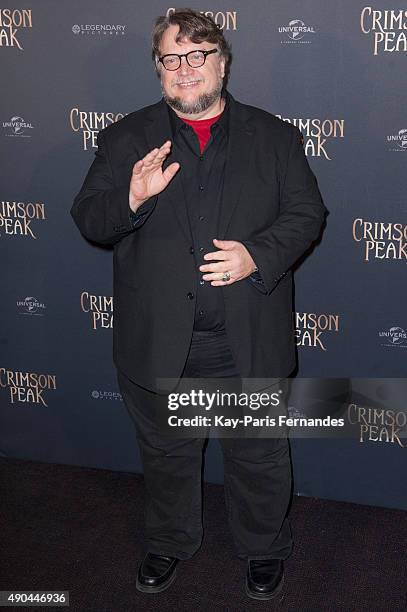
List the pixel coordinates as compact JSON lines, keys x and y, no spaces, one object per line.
{"x":224,"y":20}
{"x":297,"y":32}
{"x":387,"y":29}
{"x":376,"y":424}
{"x":27,"y":386}
{"x":10,"y":22}
{"x":381,"y":240}
{"x":399,"y":139}
{"x":100,"y":308}
{"x":395,"y":336}
{"x":89,"y":123}
{"x":99,"y":29}
{"x":318,"y":133}
{"x":17,"y":127}
{"x":16,"y":218}
{"x":106,"y":395}
{"x":31,"y":306}
{"x":311,"y":328}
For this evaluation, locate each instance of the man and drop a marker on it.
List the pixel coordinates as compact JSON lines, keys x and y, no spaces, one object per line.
{"x":208,"y":203}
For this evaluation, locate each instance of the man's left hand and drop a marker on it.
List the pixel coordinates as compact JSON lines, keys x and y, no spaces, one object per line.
{"x":232,"y":257}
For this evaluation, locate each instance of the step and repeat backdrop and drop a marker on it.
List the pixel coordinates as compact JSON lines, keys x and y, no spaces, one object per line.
{"x":337,"y":70}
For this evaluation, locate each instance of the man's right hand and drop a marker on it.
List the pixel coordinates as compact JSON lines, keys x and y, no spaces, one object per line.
{"x":148,"y":178}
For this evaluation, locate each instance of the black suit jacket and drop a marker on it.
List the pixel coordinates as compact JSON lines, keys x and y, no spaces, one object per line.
{"x":271,"y":203}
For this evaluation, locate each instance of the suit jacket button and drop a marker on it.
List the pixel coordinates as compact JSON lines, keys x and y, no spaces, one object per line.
{"x":191,"y":250}
{"x":190,"y":296}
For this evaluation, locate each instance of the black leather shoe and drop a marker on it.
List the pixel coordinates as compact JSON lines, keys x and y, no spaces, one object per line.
{"x":156,"y":573}
{"x":265,"y":578}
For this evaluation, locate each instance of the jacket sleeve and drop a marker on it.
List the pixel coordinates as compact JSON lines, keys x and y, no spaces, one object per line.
{"x":101,"y":209}
{"x":256,"y":280}
{"x":302,"y":214}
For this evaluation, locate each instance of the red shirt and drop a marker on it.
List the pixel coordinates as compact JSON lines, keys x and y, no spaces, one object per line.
{"x":202,"y":128}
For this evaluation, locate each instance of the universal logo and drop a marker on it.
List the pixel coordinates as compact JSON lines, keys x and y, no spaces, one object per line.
{"x":10,"y":22}
{"x":399,"y":139}
{"x":317,"y":132}
{"x":311,"y":328}
{"x":31,"y":306}
{"x":100,"y":308}
{"x":224,"y":20}
{"x":386,"y":28}
{"x":16,"y":217}
{"x":381,"y":240}
{"x":378,"y":425}
{"x":27,"y":386}
{"x":106,"y":395}
{"x":395,"y":336}
{"x":297,"y":32}
{"x":98,"y":29}
{"x":89,"y":123}
{"x":18,"y":127}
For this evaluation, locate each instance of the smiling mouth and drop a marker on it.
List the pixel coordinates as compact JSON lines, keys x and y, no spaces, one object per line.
{"x":187,"y":84}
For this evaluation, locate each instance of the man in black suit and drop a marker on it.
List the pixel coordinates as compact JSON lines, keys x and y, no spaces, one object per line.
{"x":208,"y":203}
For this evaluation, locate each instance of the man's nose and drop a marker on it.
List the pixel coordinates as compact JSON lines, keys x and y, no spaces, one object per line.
{"x":184,"y":68}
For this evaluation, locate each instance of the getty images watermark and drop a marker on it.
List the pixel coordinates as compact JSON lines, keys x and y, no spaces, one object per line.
{"x":252,"y":408}
{"x":369,"y":410}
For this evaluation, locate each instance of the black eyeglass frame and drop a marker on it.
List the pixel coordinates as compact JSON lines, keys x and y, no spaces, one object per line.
{"x":180,"y":56}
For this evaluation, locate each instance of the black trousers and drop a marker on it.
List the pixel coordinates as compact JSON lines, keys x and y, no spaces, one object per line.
{"x":257,"y":472}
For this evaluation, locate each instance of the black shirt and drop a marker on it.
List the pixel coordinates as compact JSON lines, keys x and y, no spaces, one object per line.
{"x":202,"y":180}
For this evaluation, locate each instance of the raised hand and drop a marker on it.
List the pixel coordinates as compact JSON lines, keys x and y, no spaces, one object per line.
{"x":148,"y":178}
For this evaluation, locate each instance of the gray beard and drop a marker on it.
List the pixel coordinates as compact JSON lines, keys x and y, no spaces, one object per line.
{"x":203,"y":102}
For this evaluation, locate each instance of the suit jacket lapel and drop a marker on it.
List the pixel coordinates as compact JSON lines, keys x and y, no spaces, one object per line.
{"x":157,"y":131}
{"x":240,"y":144}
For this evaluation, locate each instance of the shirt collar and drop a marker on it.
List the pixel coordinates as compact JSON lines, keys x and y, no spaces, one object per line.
{"x":177,"y":123}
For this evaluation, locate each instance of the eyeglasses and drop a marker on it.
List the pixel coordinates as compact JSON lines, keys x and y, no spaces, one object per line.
{"x":195,"y":59}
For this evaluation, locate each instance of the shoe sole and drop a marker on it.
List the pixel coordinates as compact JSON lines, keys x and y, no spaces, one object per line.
{"x":263,"y":596}
{"x":156,"y":589}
